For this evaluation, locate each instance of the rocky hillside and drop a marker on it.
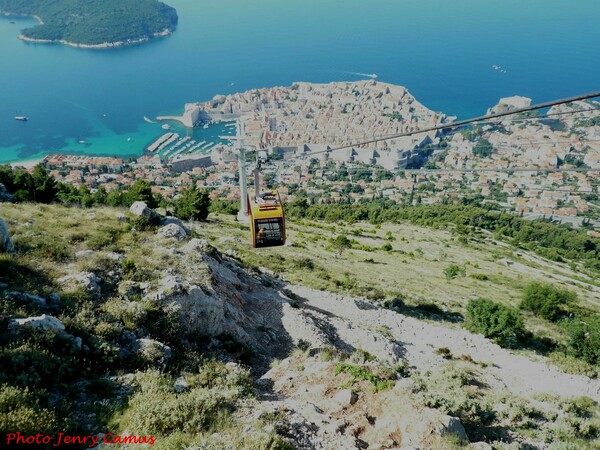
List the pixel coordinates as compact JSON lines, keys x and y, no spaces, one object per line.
{"x":126,"y":323}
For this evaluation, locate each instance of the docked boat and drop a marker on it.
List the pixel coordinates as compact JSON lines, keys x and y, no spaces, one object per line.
{"x":22,"y":118}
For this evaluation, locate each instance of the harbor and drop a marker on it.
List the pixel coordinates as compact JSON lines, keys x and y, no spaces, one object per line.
{"x":180,"y":142}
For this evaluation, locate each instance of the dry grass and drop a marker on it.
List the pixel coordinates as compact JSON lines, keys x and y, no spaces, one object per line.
{"x":415,"y":266}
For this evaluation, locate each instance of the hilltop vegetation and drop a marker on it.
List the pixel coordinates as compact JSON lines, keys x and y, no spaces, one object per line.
{"x":94,"y":22}
{"x":105,"y":383}
{"x":556,"y":242}
{"x":435,"y":269}
{"x":440,"y":287}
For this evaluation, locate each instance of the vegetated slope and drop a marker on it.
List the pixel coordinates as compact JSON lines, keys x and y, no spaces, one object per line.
{"x":94,"y":22}
{"x":430,"y":273}
{"x":164,"y":320}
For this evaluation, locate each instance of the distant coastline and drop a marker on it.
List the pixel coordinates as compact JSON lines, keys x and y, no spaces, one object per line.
{"x":28,"y":163}
{"x":163,"y":22}
{"x":165,"y":32}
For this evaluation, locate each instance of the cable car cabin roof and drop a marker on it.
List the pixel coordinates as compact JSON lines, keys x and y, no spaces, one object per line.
{"x":266,"y":206}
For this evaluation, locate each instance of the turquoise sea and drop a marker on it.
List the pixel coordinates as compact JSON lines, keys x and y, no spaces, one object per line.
{"x":441,"y":50}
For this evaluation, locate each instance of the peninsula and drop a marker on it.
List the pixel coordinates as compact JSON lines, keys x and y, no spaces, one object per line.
{"x":93,"y":23}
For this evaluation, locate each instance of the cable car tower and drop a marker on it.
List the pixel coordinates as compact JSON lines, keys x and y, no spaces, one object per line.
{"x":264,"y":209}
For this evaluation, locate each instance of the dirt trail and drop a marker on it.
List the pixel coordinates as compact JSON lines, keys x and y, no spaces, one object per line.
{"x":350,"y":323}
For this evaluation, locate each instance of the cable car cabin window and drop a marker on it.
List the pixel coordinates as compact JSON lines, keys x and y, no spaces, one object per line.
{"x":269,"y":232}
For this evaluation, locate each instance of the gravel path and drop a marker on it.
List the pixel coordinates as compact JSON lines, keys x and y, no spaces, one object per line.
{"x":349,"y":323}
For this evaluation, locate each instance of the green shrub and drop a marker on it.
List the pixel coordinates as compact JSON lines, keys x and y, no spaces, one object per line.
{"x":444,"y":352}
{"x":374,"y":294}
{"x":453,"y":270}
{"x":142,"y":223}
{"x":42,"y":360}
{"x":483,"y":148}
{"x":502,"y":324}
{"x":362,"y":356}
{"x":155,"y":409}
{"x":546,"y":301}
{"x":129,"y":267}
{"x":454,"y":391}
{"x":20,"y":410}
{"x":584,"y":339}
{"x":305,"y":263}
{"x":387,"y":247}
{"x":479,"y":276}
{"x":360,"y":373}
{"x":217,"y":375}
{"x":192,"y":204}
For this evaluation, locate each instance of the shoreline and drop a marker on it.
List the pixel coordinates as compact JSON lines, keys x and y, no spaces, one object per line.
{"x":103,"y":45}
{"x":28,"y":163}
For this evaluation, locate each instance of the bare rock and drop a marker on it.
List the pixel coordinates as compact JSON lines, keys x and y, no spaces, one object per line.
{"x":200,"y":313}
{"x":172,"y":231}
{"x":84,"y":254}
{"x":45,"y":323}
{"x":153,"y":351}
{"x":6,"y":245}
{"x":451,"y":425}
{"x":170,"y":219}
{"x":54,"y":299}
{"x":86,"y":280}
{"x":180,"y":385}
{"x":121,"y":217}
{"x":196,"y":245}
{"x":479,"y":446}
{"x":129,"y":288}
{"x":115,"y":256}
{"x":42,"y":323}
{"x":25,"y":297}
{"x":346,"y":397}
{"x":141,"y":209}
{"x":4,"y":195}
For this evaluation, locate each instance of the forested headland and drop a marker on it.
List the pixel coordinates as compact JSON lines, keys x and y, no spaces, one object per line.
{"x":94,"y":23}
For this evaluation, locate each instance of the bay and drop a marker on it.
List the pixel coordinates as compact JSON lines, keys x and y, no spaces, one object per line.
{"x":94,"y":101}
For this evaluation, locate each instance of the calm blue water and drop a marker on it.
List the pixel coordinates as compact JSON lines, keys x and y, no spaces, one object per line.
{"x":441,"y":50}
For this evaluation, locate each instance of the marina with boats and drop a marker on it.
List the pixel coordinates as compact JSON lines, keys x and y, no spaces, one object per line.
{"x":171,"y":144}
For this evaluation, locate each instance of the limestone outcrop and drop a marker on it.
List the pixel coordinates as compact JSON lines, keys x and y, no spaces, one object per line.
{"x":141,"y":209}
{"x":5,"y":196}
{"x":42,"y":323}
{"x":172,"y":231}
{"x":6,"y":244}
{"x":86,"y":280}
{"x":153,"y":351}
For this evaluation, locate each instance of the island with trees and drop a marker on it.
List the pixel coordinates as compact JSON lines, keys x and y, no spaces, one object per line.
{"x":93,"y":23}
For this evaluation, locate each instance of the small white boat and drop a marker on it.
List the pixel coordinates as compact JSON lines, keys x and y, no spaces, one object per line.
{"x":166,"y":126}
{"x":82,"y":142}
{"x":22,"y":118}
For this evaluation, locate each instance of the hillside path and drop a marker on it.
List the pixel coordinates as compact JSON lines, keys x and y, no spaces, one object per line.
{"x":350,"y":323}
